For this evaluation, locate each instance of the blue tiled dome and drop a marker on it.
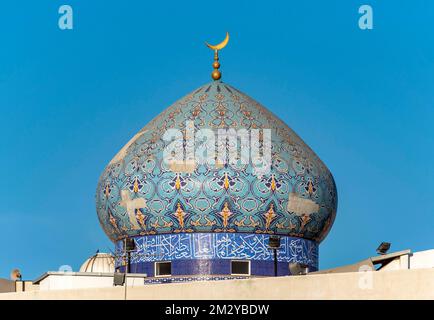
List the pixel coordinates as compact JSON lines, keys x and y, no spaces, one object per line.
{"x":138,"y":194}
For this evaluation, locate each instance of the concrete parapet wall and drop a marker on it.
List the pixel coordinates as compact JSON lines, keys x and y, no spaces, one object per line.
{"x":399,"y":284}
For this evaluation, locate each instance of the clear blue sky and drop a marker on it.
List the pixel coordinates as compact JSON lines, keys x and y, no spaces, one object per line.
{"x":69,"y":100}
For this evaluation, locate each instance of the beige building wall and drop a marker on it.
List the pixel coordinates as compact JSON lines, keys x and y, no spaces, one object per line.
{"x":397,"y":284}
{"x":67,"y":281}
{"x":422,"y":259}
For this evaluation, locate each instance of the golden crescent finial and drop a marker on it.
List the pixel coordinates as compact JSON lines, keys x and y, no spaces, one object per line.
{"x":221,"y":45}
{"x":216,"y":74}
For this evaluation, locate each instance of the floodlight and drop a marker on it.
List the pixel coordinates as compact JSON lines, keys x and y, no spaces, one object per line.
{"x":130,"y":245}
{"x":118,"y":279}
{"x":274,"y":242}
{"x":383,"y":248}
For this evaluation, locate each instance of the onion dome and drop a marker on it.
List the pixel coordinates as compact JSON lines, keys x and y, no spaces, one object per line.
{"x":141,"y":193}
{"x":99,"y":262}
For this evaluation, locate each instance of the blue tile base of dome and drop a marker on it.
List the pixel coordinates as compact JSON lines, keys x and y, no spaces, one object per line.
{"x":210,"y":254}
{"x":190,"y":279}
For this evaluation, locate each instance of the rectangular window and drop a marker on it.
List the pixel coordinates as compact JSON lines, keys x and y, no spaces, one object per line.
{"x":163,"y":269}
{"x":240,"y":267}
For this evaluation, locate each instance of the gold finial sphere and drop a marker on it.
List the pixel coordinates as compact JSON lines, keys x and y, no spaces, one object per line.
{"x":216,"y":75}
{"x":216,"y":65}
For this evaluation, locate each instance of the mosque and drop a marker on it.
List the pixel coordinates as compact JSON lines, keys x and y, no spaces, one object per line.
{"x":215,"y":220}
{"x":176,"y":220}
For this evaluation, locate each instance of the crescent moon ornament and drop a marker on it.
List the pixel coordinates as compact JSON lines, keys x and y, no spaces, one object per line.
{"x":216,"y":74}
{"x":221,"y":45}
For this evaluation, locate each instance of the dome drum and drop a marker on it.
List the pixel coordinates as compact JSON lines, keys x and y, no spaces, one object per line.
{"x":211,"y":254}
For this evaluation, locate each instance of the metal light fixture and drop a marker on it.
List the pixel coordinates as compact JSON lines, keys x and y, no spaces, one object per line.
{"x":118,"y":279}
{"x":121,"y":278}
{"x":274,"y":244}
{"x":383,"y":248}
{"x":130,"y":244}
